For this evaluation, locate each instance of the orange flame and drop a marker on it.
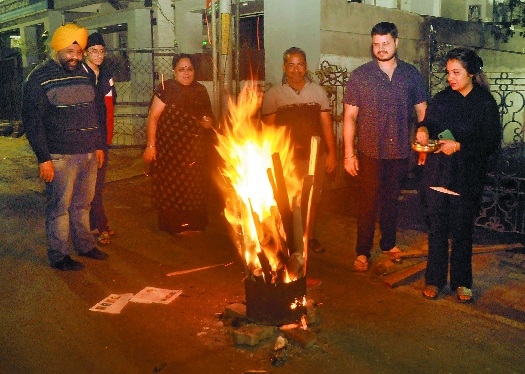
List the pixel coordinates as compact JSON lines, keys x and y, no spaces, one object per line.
{"x":246,"y":147}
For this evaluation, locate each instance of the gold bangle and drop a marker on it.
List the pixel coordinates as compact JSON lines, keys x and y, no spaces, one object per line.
{"x":150,"y":146}
{"x":455,"y":147}
{"x":349,"y":158}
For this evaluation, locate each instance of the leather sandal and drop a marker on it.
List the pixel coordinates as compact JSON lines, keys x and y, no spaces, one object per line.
{"x":361,"y":263}
{"x":430,"y":292}
{"x":464,"y":294}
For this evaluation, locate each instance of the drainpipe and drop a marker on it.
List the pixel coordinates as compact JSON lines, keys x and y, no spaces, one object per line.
{"x":214,"y":56}
{"x":237,"y":46}
{"x":225,"y":64}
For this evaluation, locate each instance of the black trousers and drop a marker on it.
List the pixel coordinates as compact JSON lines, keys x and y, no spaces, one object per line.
{"x":451,"y":217}
{"x":380,"y":185}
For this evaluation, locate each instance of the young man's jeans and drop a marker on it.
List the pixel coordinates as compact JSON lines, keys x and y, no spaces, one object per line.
{"x":69,"y":197}
{"x":97,"y":215}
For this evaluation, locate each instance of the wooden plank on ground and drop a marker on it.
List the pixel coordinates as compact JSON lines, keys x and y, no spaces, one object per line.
{"x":399,"y":277}
{"x":415,"y":253}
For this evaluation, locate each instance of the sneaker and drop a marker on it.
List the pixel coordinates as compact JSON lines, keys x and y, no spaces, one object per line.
{"x":67,"y":264}
{"x":315,"y":246}
{"x":95,"y":254}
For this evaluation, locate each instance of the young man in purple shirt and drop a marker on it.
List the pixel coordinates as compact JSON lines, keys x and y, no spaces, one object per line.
{"x":380,"y":100}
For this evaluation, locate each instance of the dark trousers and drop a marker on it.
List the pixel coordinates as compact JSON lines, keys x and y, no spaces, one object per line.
{"x":97,"y":214}
{"x":449,"y":216}
{"x":380,"y":185}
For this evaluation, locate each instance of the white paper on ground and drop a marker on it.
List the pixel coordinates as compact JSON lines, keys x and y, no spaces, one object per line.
{"x":150,"y":295}
{"x":112,"y":304}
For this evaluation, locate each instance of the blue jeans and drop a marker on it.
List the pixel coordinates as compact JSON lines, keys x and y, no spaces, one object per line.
{"x":69,"y":197}
{"x":97,"y":215}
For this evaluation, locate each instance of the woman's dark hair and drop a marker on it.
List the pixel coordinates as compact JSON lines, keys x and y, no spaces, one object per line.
{"x":179,"y":57}
{"x":473,"y":64}
{"x":385,"y":28}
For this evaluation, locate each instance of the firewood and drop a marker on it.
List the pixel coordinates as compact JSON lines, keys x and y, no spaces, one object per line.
{"x":281,"y":197}
{"x":399,"y":277}
{"x":476,"y":249}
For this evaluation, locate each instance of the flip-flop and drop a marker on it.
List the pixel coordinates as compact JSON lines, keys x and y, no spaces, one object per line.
{"x":464,"y":294}
{"x":361,"y":263}
{"x":430,"y":292}
{"x":394,"y":254}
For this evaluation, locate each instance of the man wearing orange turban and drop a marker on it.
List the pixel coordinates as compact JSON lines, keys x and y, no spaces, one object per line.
{"x":67,"y":34}
{"x":61,"y":122}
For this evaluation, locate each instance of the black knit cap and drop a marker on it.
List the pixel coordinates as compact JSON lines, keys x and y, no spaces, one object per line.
{"x":95,"y":39}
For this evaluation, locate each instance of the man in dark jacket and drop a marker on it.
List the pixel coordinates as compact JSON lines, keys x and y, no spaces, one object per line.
{"x":61,"y":121}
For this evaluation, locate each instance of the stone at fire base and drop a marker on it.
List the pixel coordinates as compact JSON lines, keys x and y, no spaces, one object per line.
{"x":236,"y":310}
{"x":252,"y":334}
{"x":304,"y":338}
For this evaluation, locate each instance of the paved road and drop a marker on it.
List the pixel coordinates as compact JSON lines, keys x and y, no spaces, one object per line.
{"x":364,"y":327}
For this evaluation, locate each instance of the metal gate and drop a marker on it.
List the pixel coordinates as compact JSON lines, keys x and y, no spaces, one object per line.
{"x":333,"y":79}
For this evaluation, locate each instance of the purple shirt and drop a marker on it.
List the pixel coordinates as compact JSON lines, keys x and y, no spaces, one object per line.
{"x":386,"y":108}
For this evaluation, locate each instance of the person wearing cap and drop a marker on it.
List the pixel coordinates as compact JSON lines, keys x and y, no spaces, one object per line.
{"x":60,"y":117}
{"x":105,"y":95}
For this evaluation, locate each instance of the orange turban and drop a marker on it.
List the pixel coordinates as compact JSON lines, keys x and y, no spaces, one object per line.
{"x":67,"y":34}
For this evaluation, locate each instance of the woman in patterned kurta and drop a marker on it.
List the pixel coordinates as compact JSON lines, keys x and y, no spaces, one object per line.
{"x":178,"y":146}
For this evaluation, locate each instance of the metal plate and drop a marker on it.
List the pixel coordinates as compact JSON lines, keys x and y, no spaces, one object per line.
{"x":432,"y":146}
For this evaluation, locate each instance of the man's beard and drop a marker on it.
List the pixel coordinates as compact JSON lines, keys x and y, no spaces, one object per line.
{"x":384,"y":59}
{"x":66,"y":64}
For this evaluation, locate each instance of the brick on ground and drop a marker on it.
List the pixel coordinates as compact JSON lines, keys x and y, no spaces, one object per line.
{"x":304,"y":338}
{"x":236,"y":310}
{"x":252,"y":334}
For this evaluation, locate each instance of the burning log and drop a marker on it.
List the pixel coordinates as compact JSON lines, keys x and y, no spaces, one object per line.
{"x":281,"y":197}
{"x":265,"y":266}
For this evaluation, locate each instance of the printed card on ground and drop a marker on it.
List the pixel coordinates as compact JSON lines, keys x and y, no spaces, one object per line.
{"x":150,"y":295}
{"x":112,"y":304}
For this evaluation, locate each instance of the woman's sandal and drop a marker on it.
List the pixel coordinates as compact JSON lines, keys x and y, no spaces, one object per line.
{"x":104,"y":238}
{"x":361,"y":263}
{"x":464,"y":294}
{"x":430,"y":292}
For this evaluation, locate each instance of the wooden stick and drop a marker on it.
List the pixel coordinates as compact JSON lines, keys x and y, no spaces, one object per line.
{"x":476,"y":249}
{"x":265,"y":266}
{"x":399,"y":277}
{"x":196,"y":269}
{"x":281,"y":197}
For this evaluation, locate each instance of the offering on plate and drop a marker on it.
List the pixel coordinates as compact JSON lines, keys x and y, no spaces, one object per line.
{"x":431,"y":146}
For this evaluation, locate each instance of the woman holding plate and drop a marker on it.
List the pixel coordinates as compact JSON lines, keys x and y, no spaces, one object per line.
{"x":464,"y":118}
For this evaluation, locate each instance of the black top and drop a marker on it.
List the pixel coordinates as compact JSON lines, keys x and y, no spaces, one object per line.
{"x":474,"y":122}
{"x":103,"y":85}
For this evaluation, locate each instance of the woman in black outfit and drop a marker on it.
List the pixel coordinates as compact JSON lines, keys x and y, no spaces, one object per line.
{"x":465,"y":118}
